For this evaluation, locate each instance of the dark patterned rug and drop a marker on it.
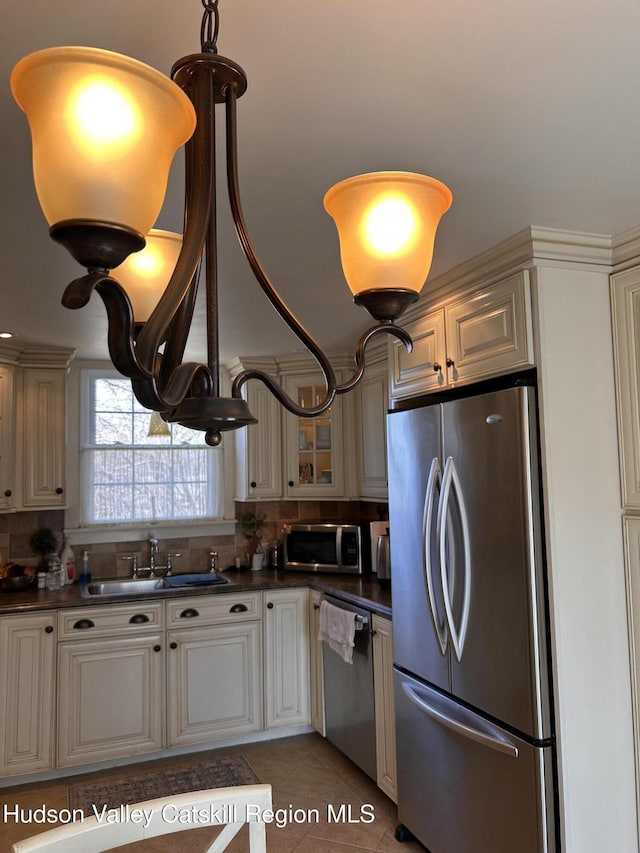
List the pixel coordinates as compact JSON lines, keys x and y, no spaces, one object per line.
{"x":220,"y":773}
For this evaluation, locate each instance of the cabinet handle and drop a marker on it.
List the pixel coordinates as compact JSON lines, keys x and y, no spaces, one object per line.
{"x":270,"y":605}
{"x":138,"y":619}
{"x":437,"y":367}
{"x":316,"y":607}
{"x":450,"y":362}
{"x":7,"y":493}
{"x":189,"y":613}
{"x":59,"y":490}
{"x":49,"y":629}
{"x":238,"y":608}
{"x":157,"y":648}
{"x":173,"y":645}
{"x":253,"y":484}
{"x":83,"y":624}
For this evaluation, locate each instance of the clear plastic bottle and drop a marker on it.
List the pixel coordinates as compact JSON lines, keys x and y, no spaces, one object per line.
{"x":85,"y":574}
{"x":54,"y":573}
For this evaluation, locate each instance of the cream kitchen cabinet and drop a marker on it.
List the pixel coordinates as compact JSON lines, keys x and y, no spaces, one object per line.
{"x":27,"y":693}
{"x":384,"y":706}
{"x":485,"y":333}
{"x":7,"y":455}
{"x":625,"y":298}
{"x":316,"y":679}
{"x":372,"y":402}
{"x":110,"y":682}
{"x":214,"y":686}
{"x":43,"y":435}
{"x":286,"y":658}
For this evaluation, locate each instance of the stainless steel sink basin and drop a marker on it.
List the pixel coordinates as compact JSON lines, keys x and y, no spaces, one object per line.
{"x":146,"y":586}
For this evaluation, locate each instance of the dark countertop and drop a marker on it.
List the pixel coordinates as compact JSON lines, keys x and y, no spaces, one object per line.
{"x":364,"y":591}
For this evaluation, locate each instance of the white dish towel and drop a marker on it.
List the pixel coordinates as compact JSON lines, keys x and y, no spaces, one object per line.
{"x":338,"y":630}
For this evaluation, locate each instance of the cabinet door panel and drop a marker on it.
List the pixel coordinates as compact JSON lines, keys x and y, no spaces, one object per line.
{"x":260,"y":447}
{"x":417,"y":371}
{"x":385,"y":707}
{"x":315,"y":657}
{"x":287,"y":658}
{"x":488,"y":333}
{"x":111,"y":696}
{"x":44,"y":438}
{"x":27,"y":678}
{"x":7,"y":457}
{"x":373,"y":402}
{"x":214,"y":685}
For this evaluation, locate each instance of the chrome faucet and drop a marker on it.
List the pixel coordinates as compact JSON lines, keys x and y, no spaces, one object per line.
{"x":153,"y":553}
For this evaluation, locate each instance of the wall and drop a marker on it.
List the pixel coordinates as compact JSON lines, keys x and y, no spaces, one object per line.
{"x":16,"y":530}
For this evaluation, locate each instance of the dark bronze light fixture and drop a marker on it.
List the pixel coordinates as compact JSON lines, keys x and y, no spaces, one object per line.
{"x":105,"y":129}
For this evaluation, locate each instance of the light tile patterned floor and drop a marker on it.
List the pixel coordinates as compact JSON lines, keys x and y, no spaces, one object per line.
{"x":306,"y":772}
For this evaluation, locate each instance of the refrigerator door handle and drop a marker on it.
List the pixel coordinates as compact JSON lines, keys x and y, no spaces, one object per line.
{"x":451,"y":483}
{"x":435,"y":479}
{"x":483,"y":738}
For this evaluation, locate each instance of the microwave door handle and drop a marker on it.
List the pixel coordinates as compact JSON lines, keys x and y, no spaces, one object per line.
{"x":427,"y":518}
{"x":339,"y":547}
{"x":451,"y":484}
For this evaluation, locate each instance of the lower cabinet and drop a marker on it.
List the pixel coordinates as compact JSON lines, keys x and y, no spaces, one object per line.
{"x":384,"y":707}
{"x":286,"y":658}
{"x":111,"y":699}
{"x":316,"y":679}
{"x":27,"y":693}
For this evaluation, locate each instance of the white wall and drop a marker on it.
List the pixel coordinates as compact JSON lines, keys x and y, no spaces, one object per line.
{"x":585,"y":553}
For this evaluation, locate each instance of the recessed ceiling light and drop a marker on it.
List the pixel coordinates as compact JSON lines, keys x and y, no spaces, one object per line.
{"x":6,"y":335}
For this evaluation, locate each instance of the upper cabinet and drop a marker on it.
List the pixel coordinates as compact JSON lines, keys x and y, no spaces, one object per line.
{"x":625,"y":298}
{"x":33,"y":427}
{"x":485,"y":333}
{"x":372,"y":402}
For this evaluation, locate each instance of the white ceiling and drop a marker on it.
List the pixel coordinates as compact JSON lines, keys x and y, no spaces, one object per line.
{"x":530,"y":112}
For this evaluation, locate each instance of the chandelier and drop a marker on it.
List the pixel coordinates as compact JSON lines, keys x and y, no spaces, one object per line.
{"x":105,"y":129}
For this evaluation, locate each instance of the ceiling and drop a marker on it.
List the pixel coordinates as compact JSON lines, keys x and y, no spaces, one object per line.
{"x":530,"y":112}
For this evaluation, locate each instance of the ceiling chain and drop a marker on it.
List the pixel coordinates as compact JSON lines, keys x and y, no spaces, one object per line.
{"x":209,"y":27}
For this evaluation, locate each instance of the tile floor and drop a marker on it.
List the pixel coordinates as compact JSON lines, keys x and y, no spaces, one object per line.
{"x":306,"y":772}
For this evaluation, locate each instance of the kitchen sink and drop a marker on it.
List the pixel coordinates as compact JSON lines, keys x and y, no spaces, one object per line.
{"x":146,"y":586}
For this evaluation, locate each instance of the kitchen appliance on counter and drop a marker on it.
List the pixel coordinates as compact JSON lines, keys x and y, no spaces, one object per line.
{"x":327,"y":547}
{"x":475,"y":735}
{"x":349,"y":709}
{"x":380,"y":554}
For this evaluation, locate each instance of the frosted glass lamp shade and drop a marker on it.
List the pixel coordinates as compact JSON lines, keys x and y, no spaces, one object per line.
{"x":145,"y":274}
{"x":157,"y":426}
{"x":387,"y":225}
{"x":104,"y":129}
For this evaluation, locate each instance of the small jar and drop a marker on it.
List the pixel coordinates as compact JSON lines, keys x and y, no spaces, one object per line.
{"x":53,"y":575}
{"x":42,"y":580}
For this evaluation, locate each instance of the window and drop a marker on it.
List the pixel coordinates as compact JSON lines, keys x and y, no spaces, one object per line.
{"x":131,"y":476}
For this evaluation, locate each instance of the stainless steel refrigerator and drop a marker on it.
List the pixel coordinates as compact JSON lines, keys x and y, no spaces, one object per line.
{"x":475,"y":739}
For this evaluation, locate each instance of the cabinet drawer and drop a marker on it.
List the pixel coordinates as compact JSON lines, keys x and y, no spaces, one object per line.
{"x":110,"y":619}
{"x":213,"y":609}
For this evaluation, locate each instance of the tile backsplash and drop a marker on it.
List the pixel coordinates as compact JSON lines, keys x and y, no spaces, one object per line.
{"x":106,"y":559}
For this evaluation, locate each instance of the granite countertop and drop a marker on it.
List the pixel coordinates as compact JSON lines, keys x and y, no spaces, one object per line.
{"x":364,"y":591}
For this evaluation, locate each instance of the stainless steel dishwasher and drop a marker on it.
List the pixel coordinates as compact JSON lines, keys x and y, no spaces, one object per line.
{"x":348,"y":694}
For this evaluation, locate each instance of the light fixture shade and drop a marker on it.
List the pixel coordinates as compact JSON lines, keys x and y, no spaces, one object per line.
{"x":157,"y":426}
{"x":387,"y":225}
{"x":145,"y":274}
{"x":104,"y":129}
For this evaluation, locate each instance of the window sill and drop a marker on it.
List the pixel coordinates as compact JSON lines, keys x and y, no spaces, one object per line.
{"x":139,"y":532}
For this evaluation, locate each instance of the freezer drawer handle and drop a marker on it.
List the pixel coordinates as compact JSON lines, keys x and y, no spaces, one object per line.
{"x":433,"y":483}
{"x":451,"y":483}
{"x":455,"y":725}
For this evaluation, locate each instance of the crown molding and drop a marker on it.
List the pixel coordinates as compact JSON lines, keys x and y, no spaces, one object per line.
{"x":626,"y":249}
{"x":34,"y":355}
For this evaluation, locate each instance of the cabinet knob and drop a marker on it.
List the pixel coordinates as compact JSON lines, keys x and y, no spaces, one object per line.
{"x":270,"y":605}
{"x":7,"y":493}
{"x":450,"y":362}
{"x":173,"y":645}
{"x":157,"y":648}
{"x":59,"y":490}
{"x":437,"y":367}
{"x":49,"y":629}
{"x":189,"y":613}
{"x":291,"y":483}
{"x":316,"y":607}
{"x":253,"y":484}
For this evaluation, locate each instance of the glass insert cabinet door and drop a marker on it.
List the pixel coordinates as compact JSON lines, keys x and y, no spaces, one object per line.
{"x":314,"y":445}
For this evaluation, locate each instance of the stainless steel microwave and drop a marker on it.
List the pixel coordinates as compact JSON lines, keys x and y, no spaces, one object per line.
{"x":327,"y":547}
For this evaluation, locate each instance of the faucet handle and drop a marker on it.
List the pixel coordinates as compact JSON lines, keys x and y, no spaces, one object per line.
{"x":170,"y":556}
{"x":133,"y":557}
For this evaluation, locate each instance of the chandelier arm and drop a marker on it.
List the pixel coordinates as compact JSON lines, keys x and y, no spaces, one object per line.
{"x":185,"y":378}
{"x":254,"y":262}
{"x":121,"y":330}
{"x":198,"y":201}
{"x":281,"y":395}
{"x":359,"y":357}
{"x":177,"y":334}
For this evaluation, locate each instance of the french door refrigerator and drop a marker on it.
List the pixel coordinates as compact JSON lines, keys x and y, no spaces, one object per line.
{"x":475,"y":741}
